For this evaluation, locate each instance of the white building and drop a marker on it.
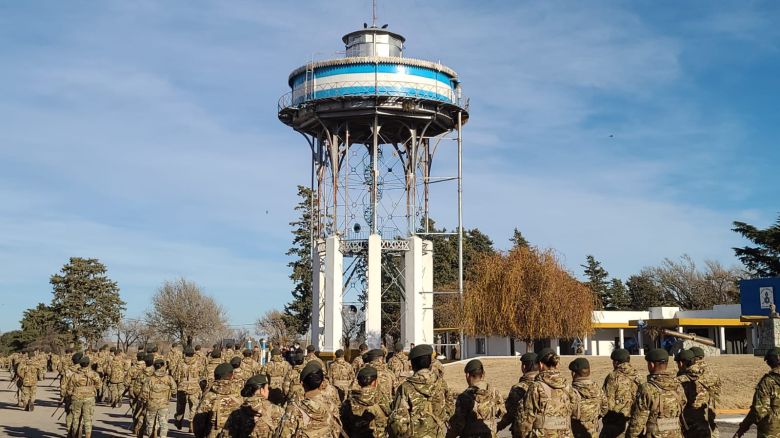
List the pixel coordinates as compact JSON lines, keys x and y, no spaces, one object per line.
{"x":611,"y":329}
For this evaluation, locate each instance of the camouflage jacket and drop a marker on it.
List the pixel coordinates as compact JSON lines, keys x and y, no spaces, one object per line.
{"x":66,"y":375}
{"x":592,"y":406}
{"x":208,"y":370}
{"x":240,"y":376}
{"x":341,"y":373}
{"x":477,"y":411}
{"x":256,"y":418}
{"x":548,"y":406}
{"x":82,"y":385}
{"x":421,"y":407}
{"x":357,"y":363}
{"x":385,"y":378}
{"x":702,"y":392}
{"x":30,"y":372}
{"x":117,"y":369}
{"x":132,"y":380}
{"x":765,"y":410}
{"x":140,"y":381}
{"x":293,"y":389}
{"x":276,"y":370}
{"x":158,"y":389}
{"x":215,"y":408}
{"x":310,"y":417}
{"x":364,"y":414}
{"x":400,"y":366}
{"x":514,"y":403}
{"x":313,"y":358}
{"x":620,"y":388}
{"x":658,"y":408}
{"x":189,"y":374}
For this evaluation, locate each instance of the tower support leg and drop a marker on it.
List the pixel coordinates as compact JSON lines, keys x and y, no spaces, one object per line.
{"x":374,"y":292}
{"x":334,"y":273}
{"x":317,"y":294}
{"x":418,"y":305}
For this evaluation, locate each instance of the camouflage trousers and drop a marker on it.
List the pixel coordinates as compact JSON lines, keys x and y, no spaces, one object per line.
{"x":138,"y":416}
{"x":586,"y":429}
{"x":157,"y":419}
{"x":185,"y":402}
{"x":66,"y":406}
{"x":115,"y":391}
{"x":82,"y":411}
{"x":27,"y":396}
{"x":613,"y":425}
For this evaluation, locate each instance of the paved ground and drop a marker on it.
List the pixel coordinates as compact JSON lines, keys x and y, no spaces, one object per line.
{"x":15,"y":422}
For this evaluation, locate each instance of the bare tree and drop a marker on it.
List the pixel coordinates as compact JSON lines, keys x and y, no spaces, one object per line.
{"x":688,"y":287}
{"x":272,"y":327}
{"x":181,"y":310}
{"x":354,"y":320}
{"x":132,"y":331}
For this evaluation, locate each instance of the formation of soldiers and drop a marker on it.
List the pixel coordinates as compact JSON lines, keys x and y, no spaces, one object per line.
{"x":228,"y":393}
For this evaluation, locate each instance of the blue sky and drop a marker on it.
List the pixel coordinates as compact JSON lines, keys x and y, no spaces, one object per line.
{"x":145,"y":133}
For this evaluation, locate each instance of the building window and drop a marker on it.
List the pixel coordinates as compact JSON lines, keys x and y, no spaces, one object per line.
{"x":481,"y":346}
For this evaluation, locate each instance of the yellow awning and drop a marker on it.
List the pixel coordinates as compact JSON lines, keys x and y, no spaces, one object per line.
{"x":695,"y":322}
{"x":613,"y":325}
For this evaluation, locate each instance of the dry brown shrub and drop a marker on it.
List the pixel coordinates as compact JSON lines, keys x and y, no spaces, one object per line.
{"x":526,"y":294}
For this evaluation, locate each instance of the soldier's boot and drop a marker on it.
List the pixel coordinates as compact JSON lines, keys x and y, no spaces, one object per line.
{"x":31,"y":405}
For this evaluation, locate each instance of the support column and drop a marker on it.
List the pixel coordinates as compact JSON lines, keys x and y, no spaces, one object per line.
{"x":334,"y":295}
{"x":586,"y":346}
{"x":418,"y":285}
{"x":374,"y":292}
{"x":641,"y":342}
{"x":722,"y":339}
{"x":622,"y":337}
{"x":317,"y":294}
{"x":555,"y":344}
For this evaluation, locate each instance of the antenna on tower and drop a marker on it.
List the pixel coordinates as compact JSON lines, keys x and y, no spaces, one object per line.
{"x":373,"y":13}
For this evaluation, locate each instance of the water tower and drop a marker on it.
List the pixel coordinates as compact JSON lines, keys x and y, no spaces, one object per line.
{"x":374,"y":121}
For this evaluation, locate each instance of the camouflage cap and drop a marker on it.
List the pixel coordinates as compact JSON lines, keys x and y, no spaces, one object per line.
{"x":473,"y":366}
{"x":149,"y":358}
{"x":235,"y":362}
{"x":310,"y":349}
{"x":84,"y":360}
{"x":189,"y":351}
{"x":657,"y":355}
{"x":257,"y":380}
{"x":222,"y":371}
{"x":773,"y":352}
{"x":698,"y":352}
{"x":528,"y":358}
{"x":276,"y":352}
{"x":158,"y":362}
{"x":420,"y":350}
{"x":544,"y":352}
{"x":76,"y":358}
{"x":339,"y":353}
{"x":310,"y":368}
{"x":367,"y":372}
{"x":579,"y":364}
{"x":374,"y":354}
{"x":620,"y":355}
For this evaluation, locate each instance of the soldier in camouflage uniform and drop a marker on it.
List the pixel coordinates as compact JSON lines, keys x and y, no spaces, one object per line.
{"x":357,"y":361}
{"x":763,"y":411}
{"x":134,"y":383}
{"x":311,"y":355}
{"x":189,"y":375}
{"x":140,"y":423}
{"x":399,"y":363}
{"x":240,"y":374}
{"x":311,"y":416}
{"x":66,"y":398}
{"x":341,"y":374}
{"x":82,"y":389}
{"x":593,"y":403}
{"x":217,"y":405}
{"x":293,"y":389}
{"x":620,"y":388}
{"x":514,"y":402}
{"x":550,"y":401}
{"x":249,"y":364}
{"x":115,"y":372}
{"x":657,"y":411}
{"x":257,"y":417}
{"x":364,"y":414}
{"x":275,"y":371}
{"x":215,"y":360}
{"x":386,"y":383}
{"x":702,"y":394}
{"x":422,"y":404}
{"x":157,"y":392}
{"x":478,"y":408}
{"x":29,"y":372}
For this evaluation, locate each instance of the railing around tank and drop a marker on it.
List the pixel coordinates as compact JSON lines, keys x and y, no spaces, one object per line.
{"x":332,"y":90}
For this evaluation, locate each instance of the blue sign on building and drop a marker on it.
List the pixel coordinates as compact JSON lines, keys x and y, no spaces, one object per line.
{"x":758,"y":295}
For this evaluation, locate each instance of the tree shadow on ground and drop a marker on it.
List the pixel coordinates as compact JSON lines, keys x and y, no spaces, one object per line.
{"x":26,"y":431}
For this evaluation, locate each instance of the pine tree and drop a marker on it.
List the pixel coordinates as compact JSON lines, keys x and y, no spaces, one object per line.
{"x":618,"y":296}
{"x":86,"y":299}
{"x":597,"y":280}
{"x":297,"y":313}
{"x":518,"y":240}
{"x":762,"y":260}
